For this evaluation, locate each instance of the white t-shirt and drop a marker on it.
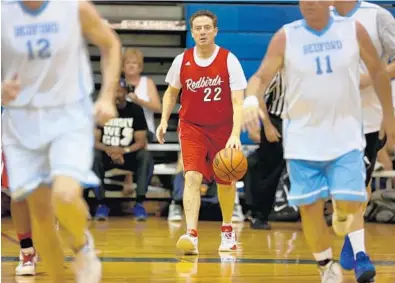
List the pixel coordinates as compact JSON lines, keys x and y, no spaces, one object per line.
{"x":237,"y":78}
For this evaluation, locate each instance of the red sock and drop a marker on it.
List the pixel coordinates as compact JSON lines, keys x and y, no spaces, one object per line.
{"x":27,"y":235}
{"x":25,"y":240}
{"x":226,"y":228}
{"x":193,"y":233}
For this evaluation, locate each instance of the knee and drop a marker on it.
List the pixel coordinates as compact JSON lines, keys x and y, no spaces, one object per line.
{"x":347,"y":207}
{"x":193,"y":180}
{"x":18,"y":204}
{"x":143,"y":155}
{"x":311,"y":211}
{"x":66,"y":189}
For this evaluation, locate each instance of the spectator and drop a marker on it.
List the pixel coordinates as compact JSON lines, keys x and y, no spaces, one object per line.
{"x":121,"y":144}
{"x":141,"y":89}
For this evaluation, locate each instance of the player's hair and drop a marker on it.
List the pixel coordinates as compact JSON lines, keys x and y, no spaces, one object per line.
{"x":204,"y":13}
{"x":133,"y":52}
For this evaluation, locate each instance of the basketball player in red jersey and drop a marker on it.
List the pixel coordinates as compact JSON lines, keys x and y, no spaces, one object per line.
{"x":213,"y":83}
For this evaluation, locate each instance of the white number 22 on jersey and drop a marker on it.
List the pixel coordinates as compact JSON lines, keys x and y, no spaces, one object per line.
{"x":216,"y":97}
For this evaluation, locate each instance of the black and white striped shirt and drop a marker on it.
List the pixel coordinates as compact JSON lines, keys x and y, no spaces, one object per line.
{"x":275,"y":96}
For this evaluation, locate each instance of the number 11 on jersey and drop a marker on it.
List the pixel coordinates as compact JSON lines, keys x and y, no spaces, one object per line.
{"x":327,"y":63}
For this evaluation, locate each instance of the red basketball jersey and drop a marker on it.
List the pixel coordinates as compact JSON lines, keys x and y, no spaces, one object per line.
{"x":206,"y":95}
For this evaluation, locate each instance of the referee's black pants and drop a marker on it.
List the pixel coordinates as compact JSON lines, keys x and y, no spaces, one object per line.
{"x":270,"y":165}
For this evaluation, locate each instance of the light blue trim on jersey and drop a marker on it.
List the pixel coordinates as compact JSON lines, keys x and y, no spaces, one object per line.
{"x":352,"y":12}
{"x":316,"y":32}
{"x":355,"y":9}
{"x":33,"y":12}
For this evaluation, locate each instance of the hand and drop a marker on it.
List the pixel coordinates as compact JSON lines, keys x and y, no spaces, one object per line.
{"x":105,"y":110}
{"x":115,"y":150}
{"x":271,"y":132}
{"x":234,"y":142}
{"x":133,"y":97}
{"x":389,"y":128}
{"x":118,"y":159}
{"x":251,"y":118}
{"x":161,"y":131}
{"x":364,"y":81}
{"x":10,"y":89}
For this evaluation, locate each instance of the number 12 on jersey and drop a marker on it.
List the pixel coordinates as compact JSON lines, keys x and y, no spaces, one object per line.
{"x":327,"y":62}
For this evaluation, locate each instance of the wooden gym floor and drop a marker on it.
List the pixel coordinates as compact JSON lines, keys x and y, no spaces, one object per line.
{"x":145,"y":252}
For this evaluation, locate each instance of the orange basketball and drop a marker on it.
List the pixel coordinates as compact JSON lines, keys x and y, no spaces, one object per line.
{"x":230,"y":164}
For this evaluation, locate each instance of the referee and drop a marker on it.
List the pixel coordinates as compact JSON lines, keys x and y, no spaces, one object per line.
{"x":270,"y":163}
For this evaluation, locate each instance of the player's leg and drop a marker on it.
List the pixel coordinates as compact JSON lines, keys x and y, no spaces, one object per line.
{"x":21,"y":220}
{"x":69,"y":169}
{"x":45,"y":234}
{"x":347,"y":187}
{"x":218,"y":138}
{"x":309,"y":189}
{"x":355,"y":241}
{"x":27,"y":170}
{"x":194,"y":152}
{"x":226,"y":198}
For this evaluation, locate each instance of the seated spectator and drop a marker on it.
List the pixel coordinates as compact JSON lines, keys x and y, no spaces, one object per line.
{"x":141,"y":89}
{"x":122,"y":144}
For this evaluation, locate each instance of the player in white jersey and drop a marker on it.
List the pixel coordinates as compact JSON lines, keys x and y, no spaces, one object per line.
{"x":48,"y":121}
{"x":323,"y":139}
{"x":380,"y":25}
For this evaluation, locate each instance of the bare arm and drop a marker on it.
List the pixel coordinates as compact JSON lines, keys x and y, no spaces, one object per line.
{"x":169,"y":102}
{"x":271,"y":64}
{"x":237,"y":102}
{"x":391,"y":69}
{"x":140,"y":141}
{"x":377,"y":71}
{"x":101,"y":35}
{"x":153,"y":103}
{"x":98,"y":144}
{"x":255,"y":136}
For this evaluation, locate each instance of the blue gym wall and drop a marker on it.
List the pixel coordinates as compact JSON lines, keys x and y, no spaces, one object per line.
{"x":246,"y":29}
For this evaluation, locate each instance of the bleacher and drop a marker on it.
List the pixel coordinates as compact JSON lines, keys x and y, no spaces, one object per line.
{"x":161,"y":31}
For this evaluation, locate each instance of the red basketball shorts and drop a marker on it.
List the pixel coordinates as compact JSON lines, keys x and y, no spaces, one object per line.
{"x":4,"y":177}
{"x":199,"y":145}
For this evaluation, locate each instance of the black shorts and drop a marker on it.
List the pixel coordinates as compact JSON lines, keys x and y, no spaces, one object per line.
{"x":373,"y":146}
{"x":130,"y":162}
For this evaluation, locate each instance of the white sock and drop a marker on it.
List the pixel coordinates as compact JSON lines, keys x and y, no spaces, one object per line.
{"x":357,"y":239}
{"x":237,"y":201}
{"x":226,"y":224}
{"x":327,"y":254}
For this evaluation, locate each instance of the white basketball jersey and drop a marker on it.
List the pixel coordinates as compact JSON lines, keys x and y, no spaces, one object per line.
{"x":142,"y":93}
{"x":323,"y":118}
{"x":366,"y":14}
{"x":46,"y":50}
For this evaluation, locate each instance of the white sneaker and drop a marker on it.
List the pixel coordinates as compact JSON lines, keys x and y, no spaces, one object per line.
{"x":228,"y":241}
{"x":188,"y":244}
{"x":87,"y":266}
{"x":27,"y":263}
{"x":331,"y":273}
{"x":238,"y":215}
{"x":175,"y":212}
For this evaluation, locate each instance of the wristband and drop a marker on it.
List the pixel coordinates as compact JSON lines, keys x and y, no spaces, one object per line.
{"x":251,"y":100}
